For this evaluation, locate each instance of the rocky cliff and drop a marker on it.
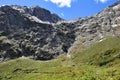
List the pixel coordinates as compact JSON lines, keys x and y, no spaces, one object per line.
{"x":36,"y":33}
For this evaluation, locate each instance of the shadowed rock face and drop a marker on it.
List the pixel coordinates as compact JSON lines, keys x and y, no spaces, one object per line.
{"x":29,"y":36}
{"x":38,"y":12}
{"x":33,"y":32}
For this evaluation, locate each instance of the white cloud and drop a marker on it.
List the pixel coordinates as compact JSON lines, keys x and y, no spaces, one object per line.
{"x":103,"y":1}
{"x":61,"y":3}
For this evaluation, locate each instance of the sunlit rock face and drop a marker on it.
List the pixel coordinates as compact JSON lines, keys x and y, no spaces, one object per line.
{"x":37,"y":33}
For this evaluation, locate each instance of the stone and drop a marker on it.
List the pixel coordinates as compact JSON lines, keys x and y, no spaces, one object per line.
{"x":37,"y":33}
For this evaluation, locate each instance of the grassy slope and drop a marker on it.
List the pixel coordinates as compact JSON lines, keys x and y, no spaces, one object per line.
{"x":99,"y":62}
{"x":105,"y":51}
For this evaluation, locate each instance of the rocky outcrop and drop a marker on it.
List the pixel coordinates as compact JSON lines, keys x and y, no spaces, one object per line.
{"x":93,"y":29}
{"x":36,"y":33}
{"x":33,"y":37}
{"x":38,"y":12}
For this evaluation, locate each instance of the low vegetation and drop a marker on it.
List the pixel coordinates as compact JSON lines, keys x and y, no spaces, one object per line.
{"x":99,"y":62}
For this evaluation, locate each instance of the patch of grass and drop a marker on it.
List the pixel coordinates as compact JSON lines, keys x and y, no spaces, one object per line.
{"x":102,"y":64}
{"x":27,"y":69}
{"x":101,"y":53}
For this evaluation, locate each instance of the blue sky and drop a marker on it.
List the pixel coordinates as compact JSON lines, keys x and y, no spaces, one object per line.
{"x":67,"y":9}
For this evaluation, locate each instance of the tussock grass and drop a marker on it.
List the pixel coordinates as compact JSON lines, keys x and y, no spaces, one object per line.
{"x":99,"y":62}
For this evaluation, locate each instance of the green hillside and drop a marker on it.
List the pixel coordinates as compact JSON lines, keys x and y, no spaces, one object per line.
{"x":99,"y":62}
{"x":102,"y":53}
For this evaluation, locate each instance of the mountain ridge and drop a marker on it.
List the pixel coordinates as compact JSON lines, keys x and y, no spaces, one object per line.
{"x":29,"y":32}
{"x":82,"y":49}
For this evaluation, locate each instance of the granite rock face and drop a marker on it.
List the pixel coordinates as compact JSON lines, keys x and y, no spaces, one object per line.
{"x":36,"y":11}
{"x":36,"y":33}
{"x":31,"y":36}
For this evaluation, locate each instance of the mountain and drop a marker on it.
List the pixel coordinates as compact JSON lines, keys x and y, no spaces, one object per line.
{"x":38,"y":34}
{"x":38,"y":12}
{"x":24,"y":33}
{"x":40,"y":48}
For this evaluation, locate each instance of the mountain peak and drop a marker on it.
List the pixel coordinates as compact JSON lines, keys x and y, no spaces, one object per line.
{"x":40,"y":13}
{"x":31,"y":32}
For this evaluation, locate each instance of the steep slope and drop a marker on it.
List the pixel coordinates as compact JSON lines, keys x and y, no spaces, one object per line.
{"x":92,"y":45}
{"x":31,"y":34}
{"x":91,"y":64}
{"x":102,"y":53}
{"x":28,"y":36}
{"x":38,"y":12}
{"x":96,"y":28}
